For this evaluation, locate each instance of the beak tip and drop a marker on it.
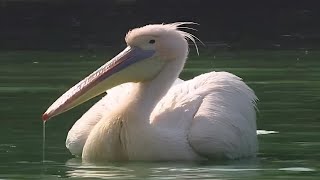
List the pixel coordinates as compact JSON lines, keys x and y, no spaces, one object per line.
{"x":45,"y":117}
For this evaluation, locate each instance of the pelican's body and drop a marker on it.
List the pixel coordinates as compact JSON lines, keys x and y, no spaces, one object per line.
{"x":153,"y":118}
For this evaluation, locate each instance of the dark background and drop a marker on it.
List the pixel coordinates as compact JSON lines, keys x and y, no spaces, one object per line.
{"x":79,"y":24}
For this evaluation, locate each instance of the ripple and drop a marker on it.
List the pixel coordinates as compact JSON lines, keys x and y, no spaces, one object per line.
{"x":263,"y":132}
{"x":298,"y":169}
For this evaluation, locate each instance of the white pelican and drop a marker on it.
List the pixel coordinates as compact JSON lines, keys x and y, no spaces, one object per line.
{"x":145,"y":117}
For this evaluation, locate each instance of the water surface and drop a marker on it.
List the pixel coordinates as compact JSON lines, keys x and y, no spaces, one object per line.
{"x":286,"y":82}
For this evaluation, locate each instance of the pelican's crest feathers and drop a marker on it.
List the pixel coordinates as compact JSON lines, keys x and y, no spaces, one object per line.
{"x":159,"y":29}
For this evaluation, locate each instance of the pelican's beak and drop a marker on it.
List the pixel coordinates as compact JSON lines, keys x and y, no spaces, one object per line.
{"x":107,"y":76}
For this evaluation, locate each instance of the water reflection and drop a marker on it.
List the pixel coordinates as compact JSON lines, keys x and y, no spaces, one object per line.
{"x":241,"y":169}
{"x":163,"y":170}
{"x":102,"y":171}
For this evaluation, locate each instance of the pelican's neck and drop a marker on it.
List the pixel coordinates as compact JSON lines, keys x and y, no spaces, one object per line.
{"x":146,"y":95}
{"x":123,"y":132}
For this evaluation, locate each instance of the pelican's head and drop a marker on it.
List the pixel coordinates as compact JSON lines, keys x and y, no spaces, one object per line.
{"x":148,"y":50}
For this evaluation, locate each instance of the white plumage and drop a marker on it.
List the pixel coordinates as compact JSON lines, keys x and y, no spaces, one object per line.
{"x":152,"y":118}
{"x":214,"y":112}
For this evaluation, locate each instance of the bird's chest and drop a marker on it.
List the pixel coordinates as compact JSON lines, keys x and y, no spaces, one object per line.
{"x":125,"y":140}
{"x":104,"y":143}
{"x":149,"y":144}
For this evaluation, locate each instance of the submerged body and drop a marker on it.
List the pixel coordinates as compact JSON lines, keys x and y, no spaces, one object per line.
{"x":153,"y":118}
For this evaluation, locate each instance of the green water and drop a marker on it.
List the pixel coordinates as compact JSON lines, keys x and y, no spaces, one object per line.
{"x":286,"y":82}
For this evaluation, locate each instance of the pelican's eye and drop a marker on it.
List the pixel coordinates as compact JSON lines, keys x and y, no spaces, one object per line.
{"x":152,"y":41}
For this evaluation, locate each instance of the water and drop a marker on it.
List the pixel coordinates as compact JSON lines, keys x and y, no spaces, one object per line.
{"x":286,"y":82}
{"x":44,"y":142}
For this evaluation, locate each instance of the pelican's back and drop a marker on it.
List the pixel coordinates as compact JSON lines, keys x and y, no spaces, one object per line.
{"x":225,"y":124}
{"x":218,"y":114}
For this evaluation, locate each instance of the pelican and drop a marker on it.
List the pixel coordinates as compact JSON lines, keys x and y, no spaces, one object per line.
{"x":150,"y":114}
